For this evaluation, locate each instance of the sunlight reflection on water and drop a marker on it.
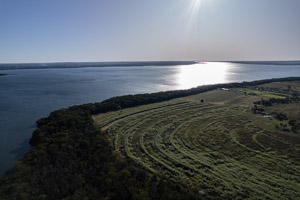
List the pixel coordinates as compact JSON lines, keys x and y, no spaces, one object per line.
{"x":202,"y":74}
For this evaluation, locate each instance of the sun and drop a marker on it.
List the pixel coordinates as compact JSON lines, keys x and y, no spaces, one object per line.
{"x":196,"y":3}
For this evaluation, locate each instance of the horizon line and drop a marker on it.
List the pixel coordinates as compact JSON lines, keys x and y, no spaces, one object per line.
{"x":145,"y":61}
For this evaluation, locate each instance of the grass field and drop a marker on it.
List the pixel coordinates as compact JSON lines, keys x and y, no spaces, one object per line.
{"x":295,"y":85}
{"x":265,"y":94}
{"x":218,"y":146}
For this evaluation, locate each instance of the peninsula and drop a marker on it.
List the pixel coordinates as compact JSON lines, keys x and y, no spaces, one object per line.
{"x":223,"y":141}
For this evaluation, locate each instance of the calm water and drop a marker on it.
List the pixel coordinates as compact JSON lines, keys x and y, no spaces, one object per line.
{"x":29,"y":94}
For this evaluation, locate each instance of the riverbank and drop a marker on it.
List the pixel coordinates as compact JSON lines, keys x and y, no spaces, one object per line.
{"x":67,"y":142}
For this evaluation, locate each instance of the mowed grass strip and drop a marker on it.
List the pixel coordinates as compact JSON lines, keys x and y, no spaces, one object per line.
{"x":218,"y":146}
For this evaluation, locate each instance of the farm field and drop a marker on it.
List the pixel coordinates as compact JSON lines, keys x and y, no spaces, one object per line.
{"x":213,"y":142}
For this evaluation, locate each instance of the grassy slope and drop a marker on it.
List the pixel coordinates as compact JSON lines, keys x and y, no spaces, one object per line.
{"x":217,"y":146}
{"x":295,"y":85}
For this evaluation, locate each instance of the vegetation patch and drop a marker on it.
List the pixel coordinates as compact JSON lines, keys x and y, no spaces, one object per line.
{"x":265,"y":94}
{"x":217,"y":146}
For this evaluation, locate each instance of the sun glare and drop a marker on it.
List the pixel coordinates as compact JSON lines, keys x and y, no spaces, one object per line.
{"x":201,"y":74}
{"x":196,"y":3}
{"x":191,"y":13}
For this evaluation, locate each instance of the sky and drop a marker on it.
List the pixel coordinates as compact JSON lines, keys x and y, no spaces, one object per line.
{"x":148,"y":30}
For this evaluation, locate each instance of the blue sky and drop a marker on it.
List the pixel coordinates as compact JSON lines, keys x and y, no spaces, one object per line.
{"x":136,"y":30}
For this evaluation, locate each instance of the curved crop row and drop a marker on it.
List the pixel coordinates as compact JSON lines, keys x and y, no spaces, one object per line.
{"x":212,"y":147}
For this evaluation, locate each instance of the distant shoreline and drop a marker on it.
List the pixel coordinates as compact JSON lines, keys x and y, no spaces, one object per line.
{"x":13,"y":66}
{"x":292,"y":62}
{"x":3,"y":74}
{"x":62,"y":65}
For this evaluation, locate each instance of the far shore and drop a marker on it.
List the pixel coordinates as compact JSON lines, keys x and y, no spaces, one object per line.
{"x":3,"y":74}
{"x":287,"y":62}
{"x":12,"y":66}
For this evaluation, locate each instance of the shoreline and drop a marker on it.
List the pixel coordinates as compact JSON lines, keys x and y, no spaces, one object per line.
{"x":74,"y":127}
{"x":66,"y":65}
{"x":14,"y":66}
{"x":288,"y":62}
{"x":146,"y":98}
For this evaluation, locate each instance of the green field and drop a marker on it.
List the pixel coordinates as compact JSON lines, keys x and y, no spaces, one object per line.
{"x":216,"y":145}
{"x":295,"y":85}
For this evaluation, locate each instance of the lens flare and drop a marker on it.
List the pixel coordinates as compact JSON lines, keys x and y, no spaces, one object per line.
{"x":191,"y":13}
{"x":196,"y":3}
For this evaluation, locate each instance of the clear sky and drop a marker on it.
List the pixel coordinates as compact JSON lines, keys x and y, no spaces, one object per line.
{"x":146,"y":30}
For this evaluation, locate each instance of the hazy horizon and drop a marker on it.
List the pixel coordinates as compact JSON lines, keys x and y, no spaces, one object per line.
{"x":56,"y":31}
{"x":153,"y":61}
